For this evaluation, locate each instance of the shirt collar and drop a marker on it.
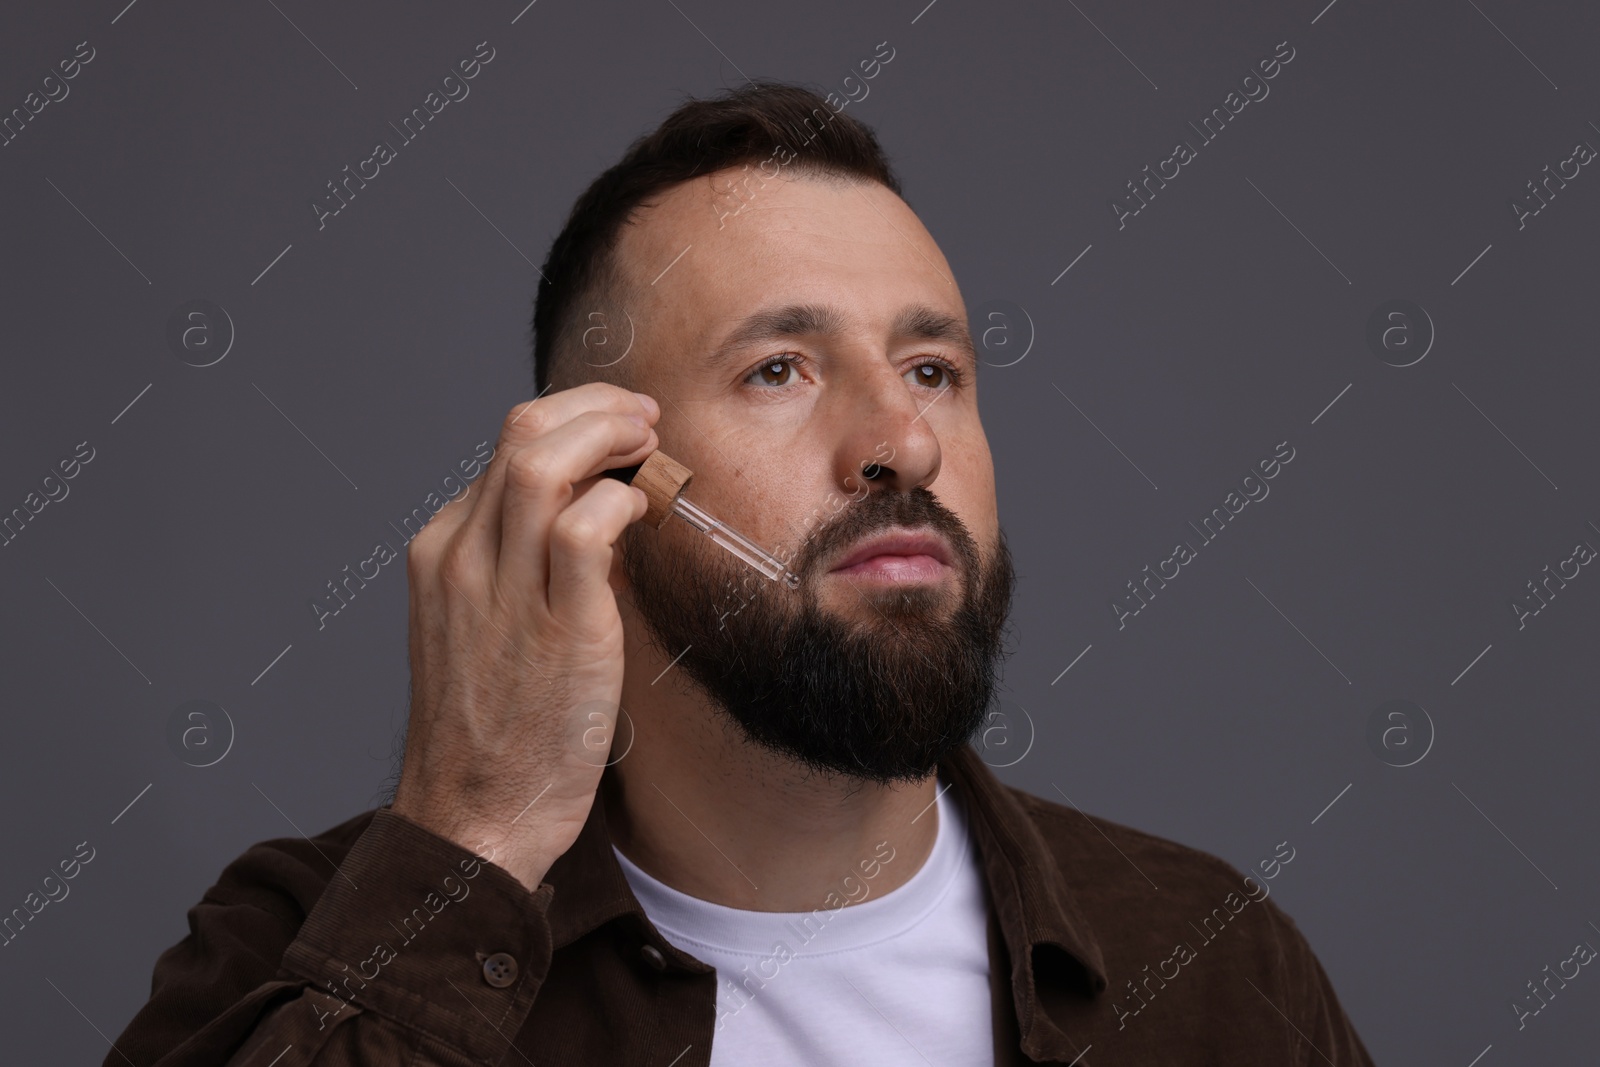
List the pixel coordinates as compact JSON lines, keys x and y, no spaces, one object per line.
{"x":1056,"y":963}
{"x":1055,"y":960}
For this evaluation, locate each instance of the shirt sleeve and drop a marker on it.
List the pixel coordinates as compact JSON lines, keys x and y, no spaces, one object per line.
{"x":415,"y":951}
{"x":1313,"y":1008}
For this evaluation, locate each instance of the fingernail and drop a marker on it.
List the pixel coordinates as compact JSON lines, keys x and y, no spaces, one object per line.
{"x":649,"y":403}
{"x":638,"y":420}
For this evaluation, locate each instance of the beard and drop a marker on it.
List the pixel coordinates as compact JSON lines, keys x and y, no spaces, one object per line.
{"x":883,"y":700}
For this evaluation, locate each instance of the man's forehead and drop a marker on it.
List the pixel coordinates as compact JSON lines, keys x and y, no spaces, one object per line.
{"x":803,"y":257}
{"x":733,"y":221}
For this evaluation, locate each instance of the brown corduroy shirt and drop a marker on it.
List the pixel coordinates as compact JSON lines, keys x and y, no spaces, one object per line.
{"x":1108,"y":947}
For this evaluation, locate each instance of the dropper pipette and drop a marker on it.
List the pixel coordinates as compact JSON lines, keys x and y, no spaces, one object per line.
{"x":663,"y":478}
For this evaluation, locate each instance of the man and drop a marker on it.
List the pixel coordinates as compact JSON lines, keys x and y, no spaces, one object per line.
{"x":656,"y":808}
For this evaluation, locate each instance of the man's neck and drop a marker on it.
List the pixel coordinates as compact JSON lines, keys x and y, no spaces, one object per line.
{"x":703,"y":811}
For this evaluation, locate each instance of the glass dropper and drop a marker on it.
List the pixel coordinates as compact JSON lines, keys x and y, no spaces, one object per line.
{"x":734,"y":542}
{"x":662,"y":478}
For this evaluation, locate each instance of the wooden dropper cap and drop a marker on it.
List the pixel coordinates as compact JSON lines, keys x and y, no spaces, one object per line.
{"x":661,"y":477}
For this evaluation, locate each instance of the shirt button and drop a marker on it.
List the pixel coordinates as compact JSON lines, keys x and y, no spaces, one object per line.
{"x":653,"y":957}
{"x":500,"y":970}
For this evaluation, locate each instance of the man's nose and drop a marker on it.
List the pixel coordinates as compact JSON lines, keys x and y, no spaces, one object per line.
{"x":887,"y":440}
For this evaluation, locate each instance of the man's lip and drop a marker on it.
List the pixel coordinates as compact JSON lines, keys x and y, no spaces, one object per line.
{"x":898,"y":543}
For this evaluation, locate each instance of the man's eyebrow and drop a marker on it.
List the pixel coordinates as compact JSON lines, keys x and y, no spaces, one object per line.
{"x":771,"y":324}
{"x":920,"y":320}
{"x":799,"y":320}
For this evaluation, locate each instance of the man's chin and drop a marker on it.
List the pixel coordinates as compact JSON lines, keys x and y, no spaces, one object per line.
{"x":895,"y":762}
{"x":875,"y":680}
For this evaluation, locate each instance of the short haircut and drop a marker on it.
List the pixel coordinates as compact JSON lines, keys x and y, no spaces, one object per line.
{"x":743,"y":126}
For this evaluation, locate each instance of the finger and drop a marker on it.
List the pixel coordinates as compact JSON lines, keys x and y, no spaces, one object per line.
{"x":427,"y":548}
{"x":526,"y":423}
{"x":539,"y":483}
{"x":582,"y":539}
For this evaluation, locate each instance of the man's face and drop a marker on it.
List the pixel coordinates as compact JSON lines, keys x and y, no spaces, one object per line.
{"x":812,"y":362}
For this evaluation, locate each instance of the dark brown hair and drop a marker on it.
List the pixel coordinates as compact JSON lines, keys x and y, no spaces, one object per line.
{"x":742,"y":126}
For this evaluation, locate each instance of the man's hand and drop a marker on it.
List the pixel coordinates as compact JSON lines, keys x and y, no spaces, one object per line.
{"x":515,"y":637}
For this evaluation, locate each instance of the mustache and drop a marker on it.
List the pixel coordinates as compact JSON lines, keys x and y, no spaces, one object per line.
{"x":916,"y":508}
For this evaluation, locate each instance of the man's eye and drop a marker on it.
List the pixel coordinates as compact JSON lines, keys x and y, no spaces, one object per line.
{"x":935,"y":374}
{"x":775,"y":372}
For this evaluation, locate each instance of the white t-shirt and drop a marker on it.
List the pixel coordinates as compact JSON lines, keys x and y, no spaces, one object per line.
{"x":898,"y":978}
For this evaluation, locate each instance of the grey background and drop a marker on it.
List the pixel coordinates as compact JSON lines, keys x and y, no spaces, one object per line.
{"x":1224,"y":318}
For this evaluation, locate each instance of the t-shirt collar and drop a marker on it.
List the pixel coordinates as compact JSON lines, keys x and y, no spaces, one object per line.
{"x":1056,"y":962}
